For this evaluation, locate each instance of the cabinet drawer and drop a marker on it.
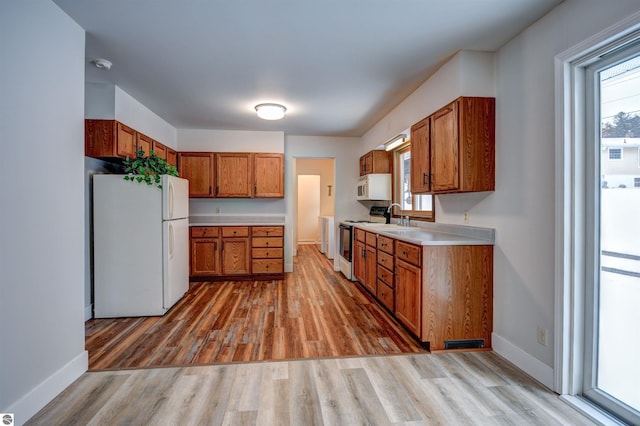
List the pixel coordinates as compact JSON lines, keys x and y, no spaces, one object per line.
{"x":372,"y":239}
{"x":267,"y":231}
{"x":267,"y":266}
{"x":266,"y":242}
{"x":235,"y":231}
{"x":385,"y":295}
{"x":203,"y":231}
{"x":360,"y":235}
{"x":408,"y":252}
{"x":385,"y":244}
{"x":385,"y":259}
{"x":267,"y":253}
{"x":385,"y":275}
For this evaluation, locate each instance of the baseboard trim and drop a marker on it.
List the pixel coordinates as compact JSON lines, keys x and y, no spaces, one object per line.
{"x":527,"y":363}
{"x":32,"y":402}
{"x":88,"y":312}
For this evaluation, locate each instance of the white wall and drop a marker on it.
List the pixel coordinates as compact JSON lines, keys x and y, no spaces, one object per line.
{"x":106,"y":101}
{"x":42,"y":223}
{"x":324,"y":168}
{"x":346,"y":152}
{"x":468,"y":73}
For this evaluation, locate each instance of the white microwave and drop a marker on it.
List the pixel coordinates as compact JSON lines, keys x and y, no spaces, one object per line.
{"x":374,"y":186}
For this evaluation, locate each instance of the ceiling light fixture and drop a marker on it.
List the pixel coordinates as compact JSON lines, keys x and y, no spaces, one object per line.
{"x":102,"y":64}
{"x":394,"y":142}
{"x":270,"y":111}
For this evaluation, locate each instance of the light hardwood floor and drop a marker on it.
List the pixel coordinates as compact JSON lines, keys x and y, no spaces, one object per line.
{"x":474,"y":388}
{"x":316,"y":313}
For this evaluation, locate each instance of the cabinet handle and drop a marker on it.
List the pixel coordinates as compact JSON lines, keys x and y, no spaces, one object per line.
{"x":215,"y":246}
{"x":424,"y":178}
{"x":234,"y":233}
{"x":210,"y":189}
{"x":222,"y":246}
{"x":404,"y":253}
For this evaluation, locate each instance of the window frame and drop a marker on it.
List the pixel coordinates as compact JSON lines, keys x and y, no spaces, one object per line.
{"x":421,"y":215}
{"x":617,"y":149}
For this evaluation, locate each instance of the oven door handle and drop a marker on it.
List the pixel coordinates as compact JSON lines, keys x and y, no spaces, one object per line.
{"x":345,"y":226}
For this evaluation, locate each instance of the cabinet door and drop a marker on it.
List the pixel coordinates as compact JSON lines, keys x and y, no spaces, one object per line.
{"x":268,"y":175}
{"x":420,"y":157}
{"x":126,"y":141}
{"x":363,"y":165}
{"x":235,"y":256}
{"x":172,"y":157}
{"x":444,"y":149}
{"x":143,"y":143}
{"x":159,"y":149}
{"x":371,"y":268}
{"x":197,"y":168}
{"x":359,"y":262}
{"x":205,"y":257}
{"x":408,"y":291}
{"x":233,"y":175}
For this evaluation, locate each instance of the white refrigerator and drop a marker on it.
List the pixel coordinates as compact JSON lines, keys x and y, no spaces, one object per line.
{"x":140,"y":245}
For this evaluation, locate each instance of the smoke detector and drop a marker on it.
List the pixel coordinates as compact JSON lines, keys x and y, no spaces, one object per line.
{"x":102,"y":64}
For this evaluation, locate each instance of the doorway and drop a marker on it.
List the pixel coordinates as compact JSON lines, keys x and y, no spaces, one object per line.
{"x":308,"y":208}
{"x":315,"y":187}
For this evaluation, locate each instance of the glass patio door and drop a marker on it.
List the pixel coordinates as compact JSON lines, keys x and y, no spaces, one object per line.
{"x":612,"y":329}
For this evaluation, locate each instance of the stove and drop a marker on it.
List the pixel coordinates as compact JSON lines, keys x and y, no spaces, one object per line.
{"x":376,"y":215}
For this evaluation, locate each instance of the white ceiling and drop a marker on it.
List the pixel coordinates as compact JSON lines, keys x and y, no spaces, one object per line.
{"x":338,"y":65}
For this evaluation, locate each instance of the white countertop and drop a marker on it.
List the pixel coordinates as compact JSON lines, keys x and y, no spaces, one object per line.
{"x":433,"y":234}
{"x":236,"y":220}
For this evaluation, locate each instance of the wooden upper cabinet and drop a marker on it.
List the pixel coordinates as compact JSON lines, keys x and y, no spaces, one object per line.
{"x":445,"y":148}
{"x":159,"y":149}
{"x":461,"y":148}
{"x":420,"y":157}
{"x":268,"y":175}
{"x":376,"y":161}
{"x":234,"y":174}
{"x":197,"y":168}
{"x":144,"y":143}
{"x":109,"y":139}
{"x":172,"y":157}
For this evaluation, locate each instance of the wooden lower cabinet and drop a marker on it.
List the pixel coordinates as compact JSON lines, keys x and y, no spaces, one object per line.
{"x":236,"y":256}
{"x":364,"y":258}
{"x":442,"y":294}
{"x":240,"y":252}
{"x":267,"y":250}
{"x":408,"y":295}
{"x":458,"y":295}
{"x":205,"y":251}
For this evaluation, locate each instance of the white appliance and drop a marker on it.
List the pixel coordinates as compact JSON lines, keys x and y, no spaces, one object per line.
{"x":374,"y":186}
{"x":140,"y":245}
{"x":345,"y":247}
{"x":326,"y":244}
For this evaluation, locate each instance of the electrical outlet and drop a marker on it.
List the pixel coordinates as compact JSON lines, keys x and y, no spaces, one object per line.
{"x":217,"y":210}
{"x":542,"y":336}
{"x":466,"y":217}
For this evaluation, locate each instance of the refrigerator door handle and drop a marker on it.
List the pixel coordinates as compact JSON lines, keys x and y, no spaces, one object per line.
{"x":170,"y":200}
{"x":171,"y":240}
